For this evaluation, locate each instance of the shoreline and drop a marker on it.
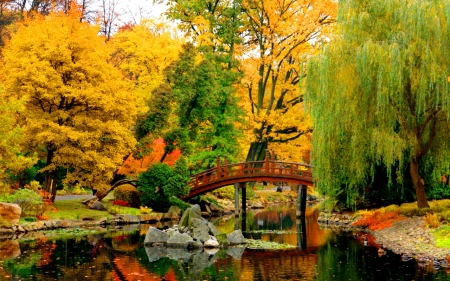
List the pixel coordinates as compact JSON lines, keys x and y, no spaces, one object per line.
{"x":409,"y":238}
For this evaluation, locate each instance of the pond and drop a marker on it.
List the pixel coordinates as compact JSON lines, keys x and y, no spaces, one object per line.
{"x":319,"y":254}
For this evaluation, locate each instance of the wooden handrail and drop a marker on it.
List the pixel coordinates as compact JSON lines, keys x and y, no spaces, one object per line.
{"x":266,"y":168}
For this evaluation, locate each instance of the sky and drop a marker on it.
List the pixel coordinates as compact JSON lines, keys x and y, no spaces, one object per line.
{"x":135,"y":10}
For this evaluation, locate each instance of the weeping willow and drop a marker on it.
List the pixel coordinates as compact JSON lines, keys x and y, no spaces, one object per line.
{"x":379,"y":94}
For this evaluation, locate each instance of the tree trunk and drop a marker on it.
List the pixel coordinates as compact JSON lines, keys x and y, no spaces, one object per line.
{"x":54,"y":184}
{"x":257,"y":151}
{"x":419,"y":184}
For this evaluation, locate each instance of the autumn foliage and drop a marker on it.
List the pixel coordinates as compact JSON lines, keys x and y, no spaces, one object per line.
{"x":133,"y":166}
{"x":378,"y":219}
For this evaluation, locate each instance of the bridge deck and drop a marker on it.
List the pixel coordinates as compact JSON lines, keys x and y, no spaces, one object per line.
{"x":266,"y":170}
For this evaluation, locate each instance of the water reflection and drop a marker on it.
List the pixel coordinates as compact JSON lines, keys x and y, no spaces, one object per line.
{"x":320,"y":254}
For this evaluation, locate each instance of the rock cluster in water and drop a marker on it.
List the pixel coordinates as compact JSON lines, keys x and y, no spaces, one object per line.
{"x":192,"y":232}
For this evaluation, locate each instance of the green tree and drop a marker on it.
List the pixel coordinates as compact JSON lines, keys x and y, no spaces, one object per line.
{"x":199,"y":109}
{"x":78,"y":113}
{"x":270,"y":40}
{"x":379,"y":94}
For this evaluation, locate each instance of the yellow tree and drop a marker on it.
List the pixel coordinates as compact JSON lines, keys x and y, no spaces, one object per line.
{"x":142,"y":52}
{"x":11,"y":158}
{"x":78,"y":112}
{"x":280,"y":35}
{"x":272,"y":40}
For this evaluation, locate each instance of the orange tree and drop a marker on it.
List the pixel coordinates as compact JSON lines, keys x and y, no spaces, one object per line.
{"x":77,"y":111}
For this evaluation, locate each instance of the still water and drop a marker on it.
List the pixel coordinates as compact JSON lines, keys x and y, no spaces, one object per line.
{"x":320,"y":254}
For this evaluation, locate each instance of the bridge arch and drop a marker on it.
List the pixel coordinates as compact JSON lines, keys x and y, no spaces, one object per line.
{"x":255,"y":171}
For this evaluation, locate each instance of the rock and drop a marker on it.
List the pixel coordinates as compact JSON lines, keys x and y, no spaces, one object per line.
{"x":195,"y":245}
{"x":179,"y":240}
{"x":88,"y":200}
{"x":129,"y":219}
{"x":174,"y":210}
{"x":155,"y":236}
{"x":200,"y":230}
{"x":188,"y":215}
{"x":9,"y":214}
{"x":97,"y":205}
{"x":236,"y":237}
{"x":214,"y":208}
{"x":212,"y":228}
{"x":211,"y":244}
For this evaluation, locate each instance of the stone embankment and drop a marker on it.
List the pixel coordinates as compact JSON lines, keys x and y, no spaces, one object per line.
{"x":409,"y":238}
{"x":14,"y":230}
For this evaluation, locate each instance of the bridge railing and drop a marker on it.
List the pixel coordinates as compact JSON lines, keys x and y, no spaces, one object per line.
{"x":254,"y":168}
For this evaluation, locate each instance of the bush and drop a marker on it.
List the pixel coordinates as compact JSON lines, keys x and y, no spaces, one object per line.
{"x":411,"y":209}
{"x":226,"y":192}
{"x":432,"y":220}
{"x":378,"y":219}
{"x":129,"y":194}
{"x":30,"y":202}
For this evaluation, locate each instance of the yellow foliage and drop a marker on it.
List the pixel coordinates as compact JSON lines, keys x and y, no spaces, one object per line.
{"x":142,"y":54}
{"x":432,"y":220}
{"x":78,"y":112}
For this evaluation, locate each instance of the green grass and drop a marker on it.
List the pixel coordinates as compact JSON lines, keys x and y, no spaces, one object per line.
{"x":73,"y":209}
{"x":442,"y":236}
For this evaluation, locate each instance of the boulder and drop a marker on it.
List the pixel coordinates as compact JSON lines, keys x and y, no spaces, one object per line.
{"x":188,"y":215}
{"x":155,"y":236}
{"x":9,"y":214}
{"x":211,"y":243}
{"x":214,"y":208}
{"x":179,"y":240}
{"x":88,"y":200}
{"x":212,"y":229}
{"x":97,"y":205}
{"x":236,"y":237}
{"x":200,"y":230}
{"x":174,"y":211}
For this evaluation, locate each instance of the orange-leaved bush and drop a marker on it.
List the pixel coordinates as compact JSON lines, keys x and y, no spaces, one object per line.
{"x":378,"y":219}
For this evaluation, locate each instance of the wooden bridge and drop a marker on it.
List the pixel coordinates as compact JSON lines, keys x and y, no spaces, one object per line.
{"x":255,"y":171}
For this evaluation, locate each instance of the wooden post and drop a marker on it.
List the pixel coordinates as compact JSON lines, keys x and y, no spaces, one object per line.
{"x":301,"y":200}
{"x":266,"y":162}
{"x":225,"y":167}
{"x":236,"y":199}
{"x":243,"y":188}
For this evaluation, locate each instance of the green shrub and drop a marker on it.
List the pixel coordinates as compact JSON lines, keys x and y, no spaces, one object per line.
{"x":27,"y":199}
{"x":129,"y":194}
{"x":226,"y":192}
{"x":391,"y":208}
{"x":411,"y":209}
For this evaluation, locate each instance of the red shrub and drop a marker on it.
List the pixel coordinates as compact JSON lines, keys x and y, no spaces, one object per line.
{"x":378,"y":220}
{"x":121,"y":203}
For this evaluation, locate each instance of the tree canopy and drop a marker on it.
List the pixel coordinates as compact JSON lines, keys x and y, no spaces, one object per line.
{"x":379,"y":94}
{"x":271,"y":41}
{"x":77,"y":111}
